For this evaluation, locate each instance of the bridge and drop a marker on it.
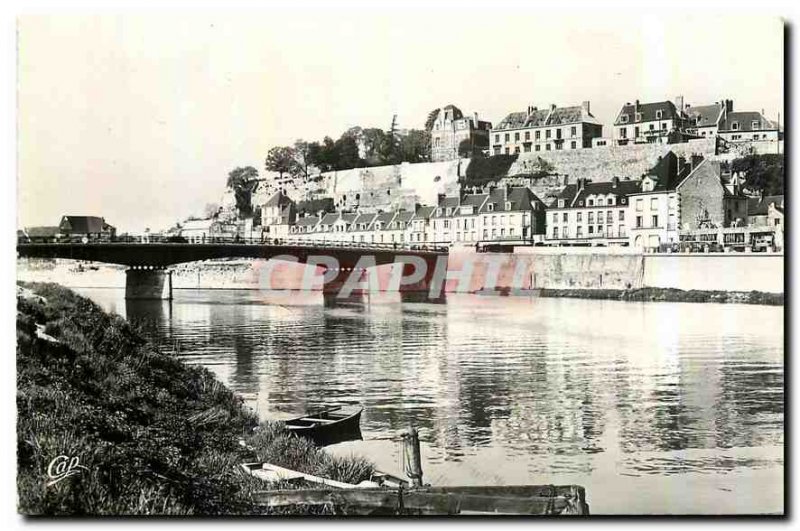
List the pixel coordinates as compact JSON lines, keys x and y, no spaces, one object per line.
{"x":149,"y":276}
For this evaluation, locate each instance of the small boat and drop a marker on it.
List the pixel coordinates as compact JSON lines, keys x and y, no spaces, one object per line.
{"x":328,"y":425}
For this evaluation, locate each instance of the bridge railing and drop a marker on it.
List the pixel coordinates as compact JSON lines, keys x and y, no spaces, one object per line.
{"x":239,"y":240}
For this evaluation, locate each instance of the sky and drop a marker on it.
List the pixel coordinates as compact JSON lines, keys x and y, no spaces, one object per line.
{"x":139,"y":118}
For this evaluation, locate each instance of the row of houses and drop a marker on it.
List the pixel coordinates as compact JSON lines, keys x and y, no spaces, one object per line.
{"x":670,"y":203}
{"x":80,"y":228}
{"x":557,"y":128}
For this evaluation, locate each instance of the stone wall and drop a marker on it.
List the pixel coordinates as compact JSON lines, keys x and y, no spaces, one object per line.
{"x":603,"y":163}
{"x":723,"y":272}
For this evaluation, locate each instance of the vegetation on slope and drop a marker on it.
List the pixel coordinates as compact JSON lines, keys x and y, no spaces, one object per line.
{"x":156,"y":436}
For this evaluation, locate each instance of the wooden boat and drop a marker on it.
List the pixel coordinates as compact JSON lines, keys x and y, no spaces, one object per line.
{"x":327,"y":426}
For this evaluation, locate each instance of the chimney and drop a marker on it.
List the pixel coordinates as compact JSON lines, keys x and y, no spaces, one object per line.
{"x":696,"y":159}
{"x":679,"y":104}
{"x":614,"y":182}
{"x":585,"y":106}
{"x":728,"y":105}
{"x":636,"y":106}
{"x":552,"y":106}
{"x":531,"y":108}
{"x":475,"y":115}
{"x":566,"y":179}
{"x":581,"y":183}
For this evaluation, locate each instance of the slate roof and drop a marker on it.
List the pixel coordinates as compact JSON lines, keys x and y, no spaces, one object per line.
{"x":349,"y":218}
{"x":450,"y":202}
{"x":572,"y":196}
{"x":648,"y":112}
{"x":363,"y":218}
{"x":84,"y":225}
{"x":706,"y":115}
{"x":520,"y":197}
{"x":307,"y":221}
{"x":329,"y":219}
{"x":278,"y":199}
{"x":424,"y":212}
{"x":745,"y":120}
{"x":547,"y":117}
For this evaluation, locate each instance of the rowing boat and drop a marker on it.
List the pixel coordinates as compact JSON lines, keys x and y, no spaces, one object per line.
{"x":327,"y":426}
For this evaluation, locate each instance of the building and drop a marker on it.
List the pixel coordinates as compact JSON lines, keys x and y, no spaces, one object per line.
{"x":91,"y":227}
{"x":749,"y":126}
{"x":678,"y":197}
{"x":550,"y":129}
{"x":201,"y":230}
{"x":278,"y":213}
{"x":591,"y":213}
{"x":450,"y":128}
{"x":663,"y":122}
{"x":706,"y":120}
{"x":719,"y":119}
{"x":39,"y":234}
{"x":765,"y":211}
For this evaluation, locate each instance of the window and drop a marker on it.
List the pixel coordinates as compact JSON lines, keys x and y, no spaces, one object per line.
{"x":561,"y":203}
{"x":516,"y":149}
{"x":573,"y":131}
{"x":558,"y":134}
{"x":497,"y":139}
{"x":623,"y":118}
{"x":659,"y":114}
{"x":735,"y":126}
{"x":555,"y":232}
{"x":555,"y":217}
{"x":527,"y":135}
{"x":664,"y":126}
{"x":591,"y":217}
{"x":537,"y":135}
{"x":573,"y":145}
{"x":653,"y":203}
{"x":638,"y":222}
{"x":652,"y":127}
{"x":621,"y":231}
{"x":623,"y":133}
{"x":610,"y":201}
{"x":538,"y":147}
{"x":654,"y":221}
{"x":755,"y":125}
{"x":508,"y":151}
{"x":516,"y":137}
{"x":527,"y":148}
{"x":579,"y":232}
{"x":558,"y":146}
{"x":599,"y":201}
{"x":565,"y":217}
{"x":622,"y":215}
{"x":547,"y":134}
{"x":508,"y":205}
{"x":591,"y":229}
{"x":579,"y":217}
{"x":506,"y":137}
{"x":638,"y":117}
{"x":639,"y":205}
{"x":491,"y":207}
{"x":636,"y":131}
{"x":590,"y":202}
{"x":609,"y":217}
{"x":547,"y":147}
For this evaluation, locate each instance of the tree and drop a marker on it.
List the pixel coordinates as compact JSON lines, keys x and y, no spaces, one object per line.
{"x":301,"y":157}
{"x":243,"y":181}
{"x":280,"y":159}
{"x":415,"y":146}
{"x":465,"y":149}
{"x":345,"y":151}
{"x":389,"y":150}
{"x":323,"y":155}
{"x":431,"y":119}
{"x":762,"y":173}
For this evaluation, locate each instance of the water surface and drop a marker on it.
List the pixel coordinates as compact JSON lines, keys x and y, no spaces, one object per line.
{"x":653,"y":407}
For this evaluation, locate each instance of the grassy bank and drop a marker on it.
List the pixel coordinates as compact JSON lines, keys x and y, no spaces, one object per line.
{"x":156,"y":436}
{"x":669,"y":295}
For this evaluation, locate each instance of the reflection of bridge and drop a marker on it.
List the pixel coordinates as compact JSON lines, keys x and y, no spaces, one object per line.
{"x":148,"y":275}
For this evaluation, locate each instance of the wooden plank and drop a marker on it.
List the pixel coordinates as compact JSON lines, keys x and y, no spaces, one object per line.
{"x":293,"y":475}
{"x":424,"y":501}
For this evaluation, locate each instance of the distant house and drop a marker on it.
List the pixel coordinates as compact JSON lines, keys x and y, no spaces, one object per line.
{"x":86,"y":226}
{"x":662,"y":122}
{"x":201,"y":230}
{"x":765,"y":211}
{"x":550,"y":129}
{"x":277,"y":214}
{"x":40,"y":234}
{"x":450,"y":128}
{"x":706,"y":120}
{"x":748,"y":126}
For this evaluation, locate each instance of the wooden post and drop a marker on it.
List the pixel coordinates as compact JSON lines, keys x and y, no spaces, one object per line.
{"x":413,"y":456}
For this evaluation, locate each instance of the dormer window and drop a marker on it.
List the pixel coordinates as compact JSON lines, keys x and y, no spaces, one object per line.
{"x":611,"y":201}
{"x":448,"y":212}
{"x":491,"y":207}
{"x":590,"y":202}
{"x":735,"y":126}
{"x":599,"y":201}
{"x":580,"y":202}
{"x":659,"y":114}
{"x":561,"y":203}
{"x":623,"y":118}
{"x":508,"y":205}
{"x":638,"y":117}
{"x":755,"y":125}
{"x":438,"y":211}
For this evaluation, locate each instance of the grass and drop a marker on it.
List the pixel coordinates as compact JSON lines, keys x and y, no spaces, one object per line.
{"x":157,"y":437}
{"x":668,"y":295}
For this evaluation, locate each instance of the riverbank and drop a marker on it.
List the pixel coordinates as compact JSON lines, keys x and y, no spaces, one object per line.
{"x":149,"y":434}
{"x":668,"y":295}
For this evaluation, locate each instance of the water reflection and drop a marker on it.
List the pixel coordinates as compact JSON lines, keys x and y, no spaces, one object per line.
{"x":508,"y":389}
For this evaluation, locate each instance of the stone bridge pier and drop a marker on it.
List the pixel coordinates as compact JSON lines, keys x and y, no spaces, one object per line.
{"x":148,"y":282}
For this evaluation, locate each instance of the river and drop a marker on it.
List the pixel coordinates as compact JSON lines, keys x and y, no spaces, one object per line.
{"x":653,"y":407}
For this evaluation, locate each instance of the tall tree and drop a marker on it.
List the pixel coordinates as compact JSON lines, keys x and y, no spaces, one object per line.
{"x":280,"y":159}
{"x":243,"y":181}
{"x":415,"y":146}
{"x":345,"y":152}
{"x":391,"y":143}
{"x":301,"y":157}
